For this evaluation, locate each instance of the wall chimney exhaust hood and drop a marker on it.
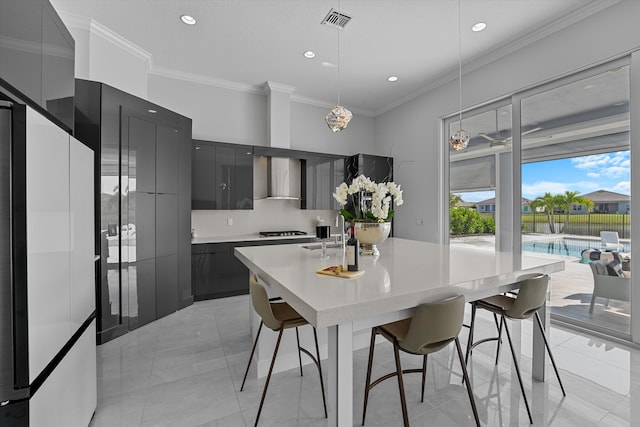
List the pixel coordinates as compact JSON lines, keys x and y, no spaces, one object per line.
{"x":283,"y":178}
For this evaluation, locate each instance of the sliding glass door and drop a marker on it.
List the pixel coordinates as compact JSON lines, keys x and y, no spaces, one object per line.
{"x":575,"y":160}
{"x":547,"y":171}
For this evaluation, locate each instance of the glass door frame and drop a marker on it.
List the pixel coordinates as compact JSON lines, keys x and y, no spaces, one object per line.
{"x":509,"y":224}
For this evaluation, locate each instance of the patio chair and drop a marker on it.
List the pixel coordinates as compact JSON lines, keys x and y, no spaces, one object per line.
{"x":610,"y":241}
{"x":609,"y":286}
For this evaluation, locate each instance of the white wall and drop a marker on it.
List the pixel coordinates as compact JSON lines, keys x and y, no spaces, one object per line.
{"x":218,"y":114}
{"x":411,"y":131}
{"x":103,"y":56}
{"x":309,"y":132}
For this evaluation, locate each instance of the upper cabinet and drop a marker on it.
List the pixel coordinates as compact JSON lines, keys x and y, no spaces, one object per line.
{"x":378,"y":168}
{"x":222,"y":176}
{"x":37,"y":56}
{"x":323,"y":175}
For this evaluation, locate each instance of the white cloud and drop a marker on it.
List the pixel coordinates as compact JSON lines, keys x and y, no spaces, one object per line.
{"x":612,"y":165}
{"x":623,"y":187}
{"x":531,"y":191}
{"x":615,"y":171}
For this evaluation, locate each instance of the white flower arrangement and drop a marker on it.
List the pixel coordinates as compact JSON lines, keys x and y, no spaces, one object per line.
{"x":371,"y":200}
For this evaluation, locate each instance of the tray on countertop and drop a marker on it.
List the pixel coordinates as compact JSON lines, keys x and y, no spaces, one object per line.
{"x":344,"y":274}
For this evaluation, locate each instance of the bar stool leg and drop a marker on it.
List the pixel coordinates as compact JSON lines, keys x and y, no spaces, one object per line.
{"x":403,"y":399}
{"x":515,"y":362}
{"x":374,"y":332}
{"x":546,"y":343}
{"x":502,"y":323}
{"x":266,"y":384}
{"x":424,"y":376}
{"x":465,"y":376}
{"x":470,"y":339}
{"x":324,"y":400}
{"x":299,"y":354}
{"x":251,"y":357}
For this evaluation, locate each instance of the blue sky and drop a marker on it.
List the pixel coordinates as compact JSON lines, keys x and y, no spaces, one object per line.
{"x":609,"y":171}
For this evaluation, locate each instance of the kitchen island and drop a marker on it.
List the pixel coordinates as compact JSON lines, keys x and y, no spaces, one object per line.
{"x":406,"y":273}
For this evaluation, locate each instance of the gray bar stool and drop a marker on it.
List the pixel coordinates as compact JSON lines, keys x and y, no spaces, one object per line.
{"x":278,"y":316}
{"x":432,"y":327}
{"x":525,"y":304}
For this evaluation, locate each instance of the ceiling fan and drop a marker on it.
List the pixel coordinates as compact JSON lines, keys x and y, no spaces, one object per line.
{"x":498,"y":140}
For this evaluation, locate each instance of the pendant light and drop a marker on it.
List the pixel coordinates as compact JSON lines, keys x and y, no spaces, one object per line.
{"x":339,"y":117}
{"x":460,"y":139}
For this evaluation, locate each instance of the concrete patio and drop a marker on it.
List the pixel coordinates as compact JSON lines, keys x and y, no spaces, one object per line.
{"x":571,"y":289}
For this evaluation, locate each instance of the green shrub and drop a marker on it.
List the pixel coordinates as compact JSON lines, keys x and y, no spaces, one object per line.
{"x":469,"y":221}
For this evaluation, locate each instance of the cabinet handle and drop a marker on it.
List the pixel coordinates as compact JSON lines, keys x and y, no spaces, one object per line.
{"x":223,"y":186}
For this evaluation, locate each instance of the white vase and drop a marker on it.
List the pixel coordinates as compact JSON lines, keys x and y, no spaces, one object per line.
{"x":371,"y":234}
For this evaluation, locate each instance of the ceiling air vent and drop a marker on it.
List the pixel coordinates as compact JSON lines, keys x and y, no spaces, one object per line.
{"x":336,"y":19}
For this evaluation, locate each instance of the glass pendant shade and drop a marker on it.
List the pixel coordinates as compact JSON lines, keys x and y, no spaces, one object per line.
{"x":460,"y":140}
{"x":338,"y":118}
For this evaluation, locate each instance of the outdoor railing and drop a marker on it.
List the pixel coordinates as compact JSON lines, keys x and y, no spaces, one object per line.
{"x":589,"y":224}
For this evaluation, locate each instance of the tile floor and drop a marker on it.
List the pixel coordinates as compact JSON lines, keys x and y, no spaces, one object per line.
{"x":186,"y":370}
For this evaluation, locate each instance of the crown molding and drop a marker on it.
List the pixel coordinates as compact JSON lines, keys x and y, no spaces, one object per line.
{"x":206,"y":80}
{"x":96,"y":28}
{"x":270,"y":86}
{"x":324,"y":104}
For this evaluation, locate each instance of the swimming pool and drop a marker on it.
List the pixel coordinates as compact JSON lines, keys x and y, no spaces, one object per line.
{"x":565,"y":246}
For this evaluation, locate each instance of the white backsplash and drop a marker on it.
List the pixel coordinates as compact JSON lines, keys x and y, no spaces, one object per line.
{"x":267,"y":215}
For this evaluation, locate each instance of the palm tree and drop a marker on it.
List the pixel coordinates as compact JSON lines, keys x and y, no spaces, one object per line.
{"x":548,"y":203}
{"x":572,"y":198}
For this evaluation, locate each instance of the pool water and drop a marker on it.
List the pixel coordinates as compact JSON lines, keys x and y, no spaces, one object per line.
{"x":565,"y":246}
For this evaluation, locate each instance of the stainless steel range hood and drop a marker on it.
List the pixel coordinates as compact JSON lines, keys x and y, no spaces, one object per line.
{"x":283,"y":178}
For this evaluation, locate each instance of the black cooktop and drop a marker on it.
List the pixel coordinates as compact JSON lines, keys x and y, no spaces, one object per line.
{"x":282,"y":233}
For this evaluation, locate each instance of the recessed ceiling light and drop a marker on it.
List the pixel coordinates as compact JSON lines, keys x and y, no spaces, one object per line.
{"x":479,"y":26}
{"x":309,"y":54}
{"x":152,"y":111}
{"x":392,"y":78}
{"x":189,"y":20}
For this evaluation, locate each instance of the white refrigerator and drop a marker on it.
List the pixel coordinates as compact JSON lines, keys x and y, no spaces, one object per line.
{"x":47,"y":273}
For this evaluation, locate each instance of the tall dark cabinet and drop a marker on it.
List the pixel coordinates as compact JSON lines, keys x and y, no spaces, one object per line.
{"x":143,"y":214}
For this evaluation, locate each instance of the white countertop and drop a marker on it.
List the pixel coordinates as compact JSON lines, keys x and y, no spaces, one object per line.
{"x":243,"y":238}
{"x":406,"y":273}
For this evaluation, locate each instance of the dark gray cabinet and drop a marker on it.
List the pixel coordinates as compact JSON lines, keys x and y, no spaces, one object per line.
{"x":143,"y":160}
{"x":143,"y":206}
{"x":166,"y":230}
{"x":218,"y":273}
{"x":323,"y":175}
{"x":167,"y":151}
{"x":139,"y":135}
{"x":143,"y":274}
{"x":37,"y":56}
{"x":166,"y":290}
{"x":222,"y":176}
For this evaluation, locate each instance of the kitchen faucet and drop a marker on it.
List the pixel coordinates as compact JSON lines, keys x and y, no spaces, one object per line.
{"x":340,"y":225}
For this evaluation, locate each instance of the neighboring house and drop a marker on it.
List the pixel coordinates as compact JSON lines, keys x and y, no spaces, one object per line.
{"x":489,"y":206}
{"x":605,"y":202}
{"x":470,"y":205}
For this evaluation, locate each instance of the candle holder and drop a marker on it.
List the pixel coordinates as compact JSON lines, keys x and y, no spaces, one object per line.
{"x":322,"y":233}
